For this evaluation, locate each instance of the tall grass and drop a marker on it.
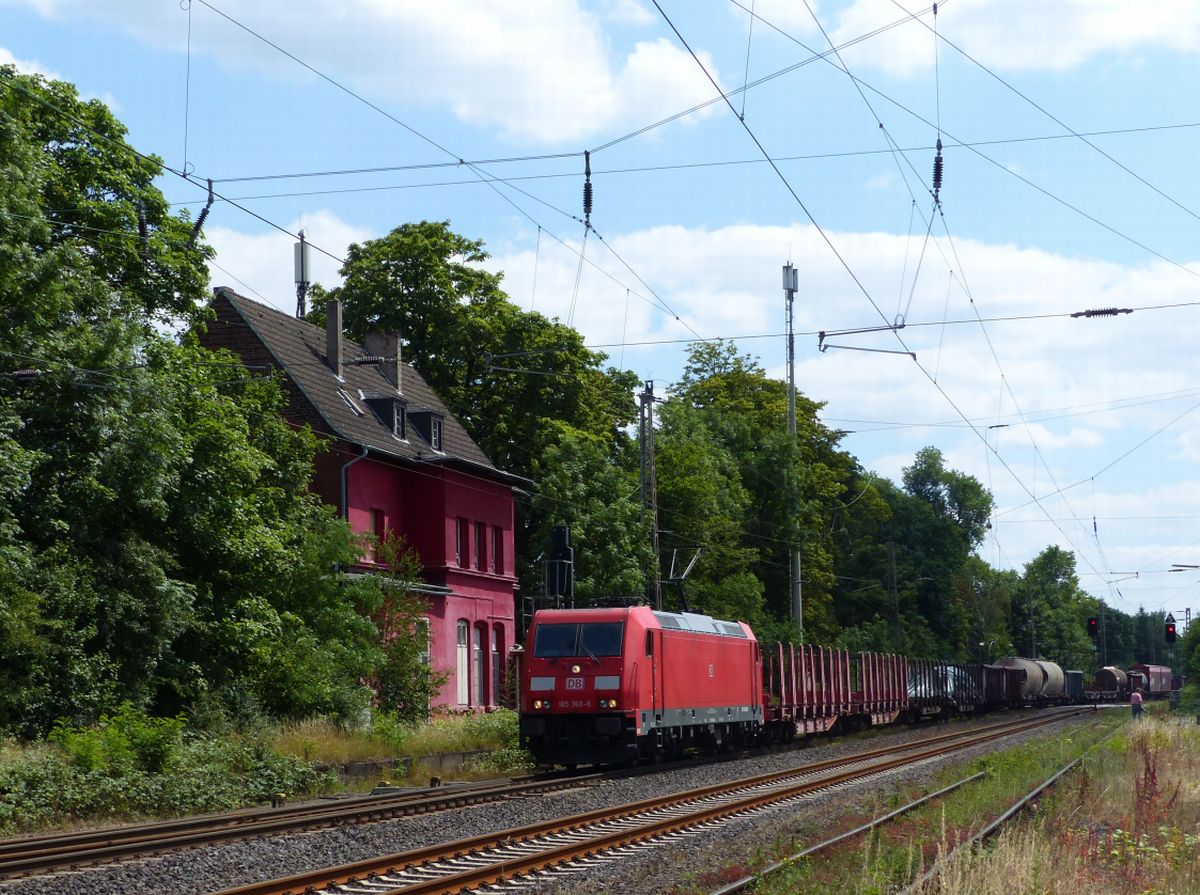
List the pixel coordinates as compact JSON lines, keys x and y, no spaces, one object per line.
{"x":1129,"y":826}
{"x":1133,"y":799}
{"x":323,"y":740}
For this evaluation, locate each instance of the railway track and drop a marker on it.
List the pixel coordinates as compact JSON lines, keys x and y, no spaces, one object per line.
{"x":579,"y":841}
{"x":35,"y":855}
{"x":748,"y":883}
{"x":46,"y":854}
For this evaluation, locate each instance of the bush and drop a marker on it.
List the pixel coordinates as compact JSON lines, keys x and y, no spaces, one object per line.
{"x":43,"y":786}
{"x":129,"y":739}
{"x":498,"y":728}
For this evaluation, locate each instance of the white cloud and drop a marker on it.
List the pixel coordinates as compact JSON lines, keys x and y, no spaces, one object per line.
{"x":725,"y":282}
{"x":30,"y":67}
{"x":540,"y":70}
{"x":1020,"y":35}
{"x":263,"y":262}
{"x":786,"y":15}
{"x":627,"y":12}
{"x":26,"y":66}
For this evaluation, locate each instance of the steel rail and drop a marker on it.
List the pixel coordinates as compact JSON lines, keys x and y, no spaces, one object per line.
{"x":31,"y":855}
{"x":998,"y":823}
{"x":512,"y":863}
{"x":741,"y":885}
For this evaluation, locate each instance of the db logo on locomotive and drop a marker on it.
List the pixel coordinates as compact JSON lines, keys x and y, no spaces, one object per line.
{"x":574,"y":683}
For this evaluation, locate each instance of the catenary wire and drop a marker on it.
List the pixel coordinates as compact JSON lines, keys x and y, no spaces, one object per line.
{"x":13,"y":83}
{"x":1070,"y":130}
{"x":974,"y":148}
{"x":937,"y":210}
{"x":865,"y":292}
{"x":484,"y":177}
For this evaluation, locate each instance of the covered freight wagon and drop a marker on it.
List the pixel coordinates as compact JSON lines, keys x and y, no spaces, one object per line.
{"x":1157,"y":679}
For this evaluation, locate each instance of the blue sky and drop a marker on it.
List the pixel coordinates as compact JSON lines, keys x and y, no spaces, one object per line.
{"x":1076,"y":192}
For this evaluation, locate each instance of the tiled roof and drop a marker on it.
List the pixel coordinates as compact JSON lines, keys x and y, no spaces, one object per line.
{"x":298,"y":348}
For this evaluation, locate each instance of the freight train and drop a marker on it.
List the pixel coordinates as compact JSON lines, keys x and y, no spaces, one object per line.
{"x":626,"y":684}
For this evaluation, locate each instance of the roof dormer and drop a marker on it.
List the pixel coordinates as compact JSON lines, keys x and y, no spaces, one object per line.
{"x":429,"y":425}
{"x":392,"y":412}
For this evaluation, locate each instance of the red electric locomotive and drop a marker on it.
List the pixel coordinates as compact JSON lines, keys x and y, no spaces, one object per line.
{"x":612,"y":685}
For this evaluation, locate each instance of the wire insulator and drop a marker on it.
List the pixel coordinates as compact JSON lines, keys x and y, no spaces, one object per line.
{"x":937,"y":170}
{"x":201,"y":217}
{"x":587,"y":188}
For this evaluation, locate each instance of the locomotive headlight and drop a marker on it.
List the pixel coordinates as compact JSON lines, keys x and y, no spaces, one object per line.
{"x":537,"y":703}
{"x":608,"y":703}
{"x":575,"y":669}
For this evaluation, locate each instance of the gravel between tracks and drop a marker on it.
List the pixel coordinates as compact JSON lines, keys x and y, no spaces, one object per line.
{"x":212,"y":868}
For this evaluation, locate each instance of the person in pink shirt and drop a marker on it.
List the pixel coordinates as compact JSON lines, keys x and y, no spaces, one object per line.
{"x":1135,"y":700}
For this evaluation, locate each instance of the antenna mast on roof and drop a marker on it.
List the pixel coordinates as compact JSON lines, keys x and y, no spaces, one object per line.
{"x":302,"y":257}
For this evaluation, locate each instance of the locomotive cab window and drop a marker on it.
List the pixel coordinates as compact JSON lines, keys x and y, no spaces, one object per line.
{"x":588,"y":639}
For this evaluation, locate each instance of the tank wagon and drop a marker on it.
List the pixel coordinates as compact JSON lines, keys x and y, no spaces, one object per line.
{"x":1112,"y":684}
{"x":1111,"y":679}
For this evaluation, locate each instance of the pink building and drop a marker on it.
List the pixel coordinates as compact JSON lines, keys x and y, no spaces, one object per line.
{"x":398,"y":461}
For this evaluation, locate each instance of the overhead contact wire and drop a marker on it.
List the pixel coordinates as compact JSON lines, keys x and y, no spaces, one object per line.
{"x":871,"y":300}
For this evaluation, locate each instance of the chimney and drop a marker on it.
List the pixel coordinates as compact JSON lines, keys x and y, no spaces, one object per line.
{"x":333,"y":337}
{"x":387,"y":346}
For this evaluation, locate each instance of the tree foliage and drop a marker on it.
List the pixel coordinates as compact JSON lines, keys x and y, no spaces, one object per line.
{"x":508,"y":375}
{"x":579,"y":484}
{"x":158,"y":541}
{"x":160,"y":547}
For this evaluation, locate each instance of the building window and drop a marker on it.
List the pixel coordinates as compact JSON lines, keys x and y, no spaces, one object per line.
{"x":378,"y":532}
{"x":480,"y":546}
{"x":477,"y":665}
{"x":435,"y":434}
{"x":497,"y":556}
{"x":424,"y":639}
{"x":400,"y":421}
{"x":462,"y":668}
{"x":462,"y":535}
{"x":497,"y":658}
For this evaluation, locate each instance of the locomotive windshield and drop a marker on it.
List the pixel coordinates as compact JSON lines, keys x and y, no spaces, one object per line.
{"x":591,"y":639}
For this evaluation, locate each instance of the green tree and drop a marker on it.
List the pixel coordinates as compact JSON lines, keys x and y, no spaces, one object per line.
{"x":508,"y":375}
{"x":158,"y":541}
{"x":580,"y":484}
{"x":943,"y":525}
{"x":702,"y":506}
{"x":404,"y":682}
{"x":792,"y":485}
{"x":1057,"y":608}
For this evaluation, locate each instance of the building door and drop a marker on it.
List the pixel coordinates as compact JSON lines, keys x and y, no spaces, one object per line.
{"x":477,"y":689}
{"x":462,"y":668}
{"x":497,"y":656}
